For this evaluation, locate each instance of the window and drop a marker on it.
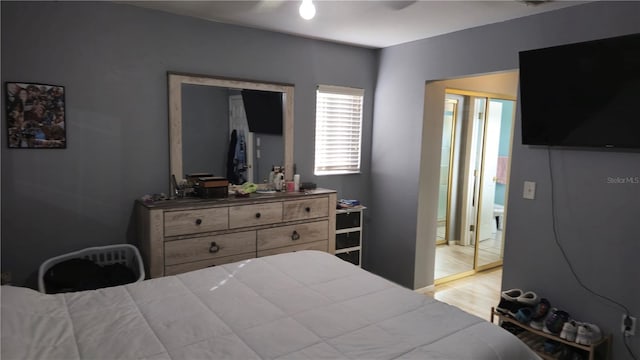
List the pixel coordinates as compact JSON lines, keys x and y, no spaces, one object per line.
{"x":338,"y":130}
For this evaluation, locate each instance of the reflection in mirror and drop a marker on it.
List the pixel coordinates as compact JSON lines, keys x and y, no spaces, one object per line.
{"x":476,"y":140}
{"x":205,"y":129}
{"x":493,"y":180}
{"x":210,"y":132}
{"x":231,"y":133}
{"x":452,"y":256}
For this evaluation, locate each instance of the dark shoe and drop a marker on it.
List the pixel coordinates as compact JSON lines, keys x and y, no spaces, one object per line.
{"x":555,"y":321}
{"x":540,"y":313}
{"x":529,"y":299}
{"x":509,"y":302}
{"x":524,"y":315}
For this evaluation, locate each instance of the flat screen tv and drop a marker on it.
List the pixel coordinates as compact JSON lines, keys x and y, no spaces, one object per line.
{"x":582,"y":95}
{"x":264,"y":111}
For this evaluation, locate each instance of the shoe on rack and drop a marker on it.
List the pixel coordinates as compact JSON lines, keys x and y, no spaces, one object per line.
{"x":509,"y":302}
{"x":512,"y":328}
{"x":528,"y":299}
{"x":551,"y":347}
{"x":569,"y":330}
{"x":555,"y":321}
{"x":544,"y":321}
{"x":588,"y":334}
{"x":537,"y":324}
{"x":524,"y":315}
{"x":541,"y":310}
{"x":540,"y":313}
{"x":571,"y":353}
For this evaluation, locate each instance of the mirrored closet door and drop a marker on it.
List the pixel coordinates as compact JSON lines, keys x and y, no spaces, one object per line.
{"x":476,"y":146}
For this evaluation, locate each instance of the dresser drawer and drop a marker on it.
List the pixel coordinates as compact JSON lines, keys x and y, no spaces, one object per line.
{"x":305,"y":209}
{"x":209,"y":247}
{"x":316,"y":245}
{"x":185,"y":222}
{"x":191,"y":234}
{"x":292,"y":235}
{"x":254,"y":215}
{"x":196,"y":265}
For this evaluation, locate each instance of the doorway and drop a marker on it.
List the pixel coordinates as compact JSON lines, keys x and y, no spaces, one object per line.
{"x":475,"y":153}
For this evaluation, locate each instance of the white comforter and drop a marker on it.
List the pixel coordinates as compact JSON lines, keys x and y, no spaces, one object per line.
{"x":303,"y":305}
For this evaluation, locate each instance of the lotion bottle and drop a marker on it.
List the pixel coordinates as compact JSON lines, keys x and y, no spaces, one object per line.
{"x":278,"y":181}
{"x":272,"y":177}
{"x":296,"y":182}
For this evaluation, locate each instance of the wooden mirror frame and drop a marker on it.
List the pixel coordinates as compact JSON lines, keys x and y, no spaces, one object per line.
{"x":175,"y":81}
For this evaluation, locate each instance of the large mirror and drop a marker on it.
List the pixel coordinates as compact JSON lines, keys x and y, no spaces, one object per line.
{"x":217,"y":122}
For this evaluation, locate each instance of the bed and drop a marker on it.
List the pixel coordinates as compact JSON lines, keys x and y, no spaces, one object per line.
{"x":302,"y":305}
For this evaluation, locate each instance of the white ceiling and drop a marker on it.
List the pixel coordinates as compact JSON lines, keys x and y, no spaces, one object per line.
{"x":372,"y":23}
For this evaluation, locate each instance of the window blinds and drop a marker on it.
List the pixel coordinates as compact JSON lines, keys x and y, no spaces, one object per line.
{"x":338,"y":130}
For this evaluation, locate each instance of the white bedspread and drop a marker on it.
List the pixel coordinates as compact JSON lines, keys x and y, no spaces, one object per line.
{"x":303,"y":305}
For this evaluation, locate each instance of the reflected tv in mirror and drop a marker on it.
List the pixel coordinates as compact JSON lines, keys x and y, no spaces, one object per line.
{"x":264,"y":111}
{"x":582,"y":95}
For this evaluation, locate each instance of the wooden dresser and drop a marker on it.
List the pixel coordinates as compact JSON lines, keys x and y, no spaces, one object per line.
{"x":182,"y":235}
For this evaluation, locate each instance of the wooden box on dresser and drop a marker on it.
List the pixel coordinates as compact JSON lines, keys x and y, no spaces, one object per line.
{"x":182,"y":235}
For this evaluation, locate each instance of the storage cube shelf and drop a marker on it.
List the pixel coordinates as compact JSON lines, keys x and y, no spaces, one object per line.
{"x":349,"y":224}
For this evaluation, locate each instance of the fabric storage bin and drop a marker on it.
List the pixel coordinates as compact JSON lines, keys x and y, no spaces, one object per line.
{"x":123,"y":254}
{"x":347,"y":240}
{"x":350,"y":256}
{"x":346,"y":220}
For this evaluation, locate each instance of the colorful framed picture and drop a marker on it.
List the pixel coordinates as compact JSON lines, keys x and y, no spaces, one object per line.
{"x":35,"y":115}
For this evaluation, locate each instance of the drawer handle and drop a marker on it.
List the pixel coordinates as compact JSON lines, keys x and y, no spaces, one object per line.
{"x":295,"y":236}
{"x":257,"y":215}
{"x":214,"y":248}
{"x":307,"y":209}
{"x":198,"y":221}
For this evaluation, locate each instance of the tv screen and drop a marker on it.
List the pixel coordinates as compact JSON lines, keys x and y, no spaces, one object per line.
{"x":584,"y":94}
{"x":264,"y":111}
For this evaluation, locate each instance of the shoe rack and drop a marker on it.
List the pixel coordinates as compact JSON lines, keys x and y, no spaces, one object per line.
{"x":535,"y":340}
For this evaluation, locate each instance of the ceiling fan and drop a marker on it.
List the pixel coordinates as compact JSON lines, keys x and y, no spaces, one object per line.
{"x":399,"y":4}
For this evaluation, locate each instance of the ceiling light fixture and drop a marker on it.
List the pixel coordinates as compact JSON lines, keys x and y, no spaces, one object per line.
{"x":307,"y":10}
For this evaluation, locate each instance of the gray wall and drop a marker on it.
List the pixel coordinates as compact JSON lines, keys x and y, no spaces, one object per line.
{"x":112,"y":60}
{"x":271,"y":153}
{"x":597,"y":221}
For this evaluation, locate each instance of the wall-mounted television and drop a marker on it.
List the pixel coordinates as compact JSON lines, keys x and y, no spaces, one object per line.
{"x":582,"y":95}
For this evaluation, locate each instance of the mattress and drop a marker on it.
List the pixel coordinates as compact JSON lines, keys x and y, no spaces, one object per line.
{"x":302,"y":305}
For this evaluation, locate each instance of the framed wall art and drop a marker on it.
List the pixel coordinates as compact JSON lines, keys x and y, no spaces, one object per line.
{"x":35,"y":115}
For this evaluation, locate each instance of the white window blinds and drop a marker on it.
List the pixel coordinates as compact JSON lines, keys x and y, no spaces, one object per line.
{"x":338,"y":130}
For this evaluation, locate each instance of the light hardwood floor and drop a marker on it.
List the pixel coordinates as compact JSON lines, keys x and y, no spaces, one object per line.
{"x":474,"y":294}
{"x":455,"y":259}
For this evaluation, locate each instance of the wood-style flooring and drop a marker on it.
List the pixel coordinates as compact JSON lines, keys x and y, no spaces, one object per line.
{"x":474,"y":294}
{"x":454,"y":259}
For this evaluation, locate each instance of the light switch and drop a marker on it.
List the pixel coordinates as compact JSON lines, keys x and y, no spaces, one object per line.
{"x":529,"y":190}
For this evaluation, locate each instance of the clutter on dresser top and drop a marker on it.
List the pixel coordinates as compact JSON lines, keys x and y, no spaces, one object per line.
{"x":211,"y":187}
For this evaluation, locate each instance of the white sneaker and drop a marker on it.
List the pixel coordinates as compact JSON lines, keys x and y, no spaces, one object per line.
{"x":588,"y":334}
{"x":569,"y":331}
